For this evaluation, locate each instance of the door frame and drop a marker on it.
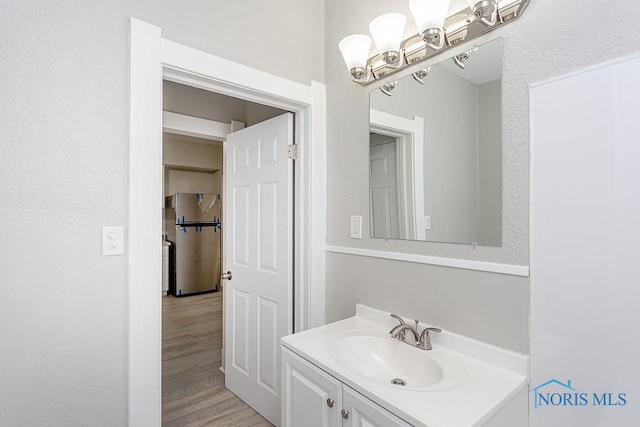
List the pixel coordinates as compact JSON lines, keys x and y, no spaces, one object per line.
{"x":409,"y":134}
{"x":153,"y":59}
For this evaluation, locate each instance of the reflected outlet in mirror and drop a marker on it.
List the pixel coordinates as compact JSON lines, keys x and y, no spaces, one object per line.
{"x":435,"y":164}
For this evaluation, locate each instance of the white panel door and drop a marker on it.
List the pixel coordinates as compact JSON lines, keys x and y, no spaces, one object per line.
{"x":258,"y":246}
{"x":383,"y":186}
{"x":585,"y":229}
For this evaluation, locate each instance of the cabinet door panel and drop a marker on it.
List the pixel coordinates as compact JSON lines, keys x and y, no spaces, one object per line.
{"x":365,"y":413}
{"x":306,"y":390}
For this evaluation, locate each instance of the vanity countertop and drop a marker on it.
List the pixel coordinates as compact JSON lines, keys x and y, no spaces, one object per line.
{"x":486,"y":376}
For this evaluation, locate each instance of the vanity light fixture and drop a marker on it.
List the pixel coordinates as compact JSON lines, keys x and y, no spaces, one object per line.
{"x":460,"y":59}
{"x":421,"y":74}
{"x":429,"y":16}
{"x":388,"y":87}
{"x":485,"y":10}
{"x":387,"y":31}
{"x":355,"y":50}
{"x":438,"y":30}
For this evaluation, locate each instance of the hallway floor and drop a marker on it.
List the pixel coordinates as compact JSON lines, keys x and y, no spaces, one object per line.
{"x":193,"y":392}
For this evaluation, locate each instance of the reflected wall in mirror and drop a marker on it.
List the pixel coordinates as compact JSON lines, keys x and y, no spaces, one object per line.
{"x":435,"y":170}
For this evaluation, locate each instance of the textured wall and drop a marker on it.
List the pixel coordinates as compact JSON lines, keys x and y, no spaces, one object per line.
{"x":552,"y":38}
{"x":63,"y":174}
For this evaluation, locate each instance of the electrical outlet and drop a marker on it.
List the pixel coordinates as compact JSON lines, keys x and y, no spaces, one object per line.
{"x":427,"y":222}
{"x":112,"y":241}
{"x":356,"y":227}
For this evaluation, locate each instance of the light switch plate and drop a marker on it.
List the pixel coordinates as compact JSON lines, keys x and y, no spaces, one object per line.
{"x":112,"y":241}
{"x":427,"y":222}
{"x":356,"y":227}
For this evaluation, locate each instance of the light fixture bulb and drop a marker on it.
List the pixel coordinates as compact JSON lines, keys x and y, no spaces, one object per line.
{"x":429,"y":14}
{"x":355,"y":52}
{"x":387,"y":31}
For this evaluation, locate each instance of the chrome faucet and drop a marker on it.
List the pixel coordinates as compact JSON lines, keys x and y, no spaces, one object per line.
{"x":399,"y":333}
{"x":422,"y":340}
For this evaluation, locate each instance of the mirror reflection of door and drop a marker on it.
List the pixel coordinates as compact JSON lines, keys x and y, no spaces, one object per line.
{"x":397,"y":183}
{"x":383,"y":187}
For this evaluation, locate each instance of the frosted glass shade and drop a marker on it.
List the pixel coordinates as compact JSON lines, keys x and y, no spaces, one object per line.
{"x":355,"y":50}
{"x":387,"y":31}
{"x":430,"y":13}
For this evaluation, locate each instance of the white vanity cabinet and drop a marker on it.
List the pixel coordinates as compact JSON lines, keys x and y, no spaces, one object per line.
{"x":310,"y":397}
{"x":313,"y":398}
{"x":362,"y":412}
{"x":460,"y":383}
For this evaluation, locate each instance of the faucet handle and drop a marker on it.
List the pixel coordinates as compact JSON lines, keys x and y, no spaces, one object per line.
{"x":394,"y":332}
{"x":398,"y":318}
{"x":425,"y":340}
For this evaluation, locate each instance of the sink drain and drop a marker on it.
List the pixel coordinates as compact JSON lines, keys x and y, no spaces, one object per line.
{"x":398,"y":381}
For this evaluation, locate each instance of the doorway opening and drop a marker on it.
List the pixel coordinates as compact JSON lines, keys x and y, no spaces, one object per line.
{"x":153,"y":59}
{"x":195,"y":126}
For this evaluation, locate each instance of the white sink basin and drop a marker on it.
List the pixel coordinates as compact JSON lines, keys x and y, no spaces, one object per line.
{"x":377,"y":357}
{"x":460,"y":383}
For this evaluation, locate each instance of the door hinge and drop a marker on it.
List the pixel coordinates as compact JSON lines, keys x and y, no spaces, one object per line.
{"x":293,"y":151}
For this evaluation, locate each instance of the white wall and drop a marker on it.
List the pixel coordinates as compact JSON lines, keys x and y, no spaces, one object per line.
{"x":551,"y":38}
{"x":585,"y":205}
{"x":63,"y":174}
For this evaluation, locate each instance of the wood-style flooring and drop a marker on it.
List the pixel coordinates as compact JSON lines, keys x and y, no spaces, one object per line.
{"x":193,"y":392}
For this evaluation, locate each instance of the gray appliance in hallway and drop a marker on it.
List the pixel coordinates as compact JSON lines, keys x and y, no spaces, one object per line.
{"x":193,"y":226}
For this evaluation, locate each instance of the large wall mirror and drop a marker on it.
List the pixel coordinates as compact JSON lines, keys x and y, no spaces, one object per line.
{"x":435,"y":167}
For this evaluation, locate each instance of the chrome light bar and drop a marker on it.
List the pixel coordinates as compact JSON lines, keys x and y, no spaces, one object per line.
{"x":467,"y":24}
